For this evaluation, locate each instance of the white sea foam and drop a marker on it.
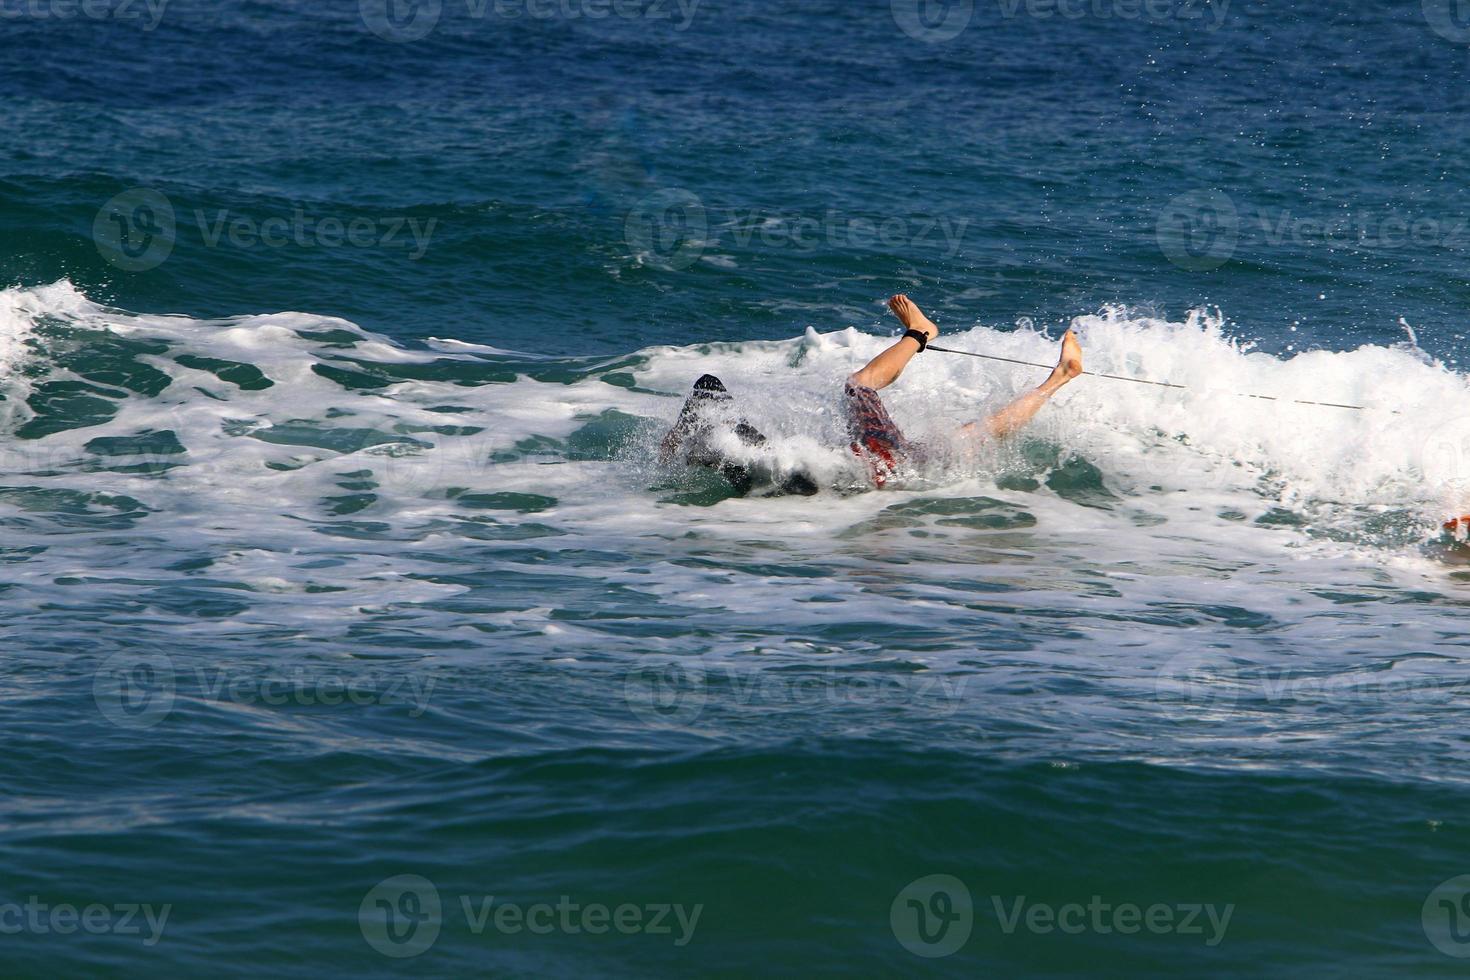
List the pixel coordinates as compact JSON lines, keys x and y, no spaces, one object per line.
{"x":295,"y":503}
{"x":1409,"y":448}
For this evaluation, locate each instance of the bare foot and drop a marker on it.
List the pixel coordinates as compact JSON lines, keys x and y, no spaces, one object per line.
{"x":911,"y":316}
{"x":1069,"y":365}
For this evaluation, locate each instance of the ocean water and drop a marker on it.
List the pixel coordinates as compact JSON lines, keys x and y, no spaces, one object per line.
{"x":351,"y":627}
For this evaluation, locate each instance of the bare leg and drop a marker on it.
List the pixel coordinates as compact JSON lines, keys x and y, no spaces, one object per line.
{"x":884,"y":369}
{"x":1014,"y":416}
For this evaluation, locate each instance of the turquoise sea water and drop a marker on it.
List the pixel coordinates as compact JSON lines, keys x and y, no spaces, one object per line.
{"x":352,"y":629}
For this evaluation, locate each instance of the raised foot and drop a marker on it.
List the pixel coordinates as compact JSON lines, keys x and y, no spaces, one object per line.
{"x":911,"y":316}
{"x":1069,"y":365}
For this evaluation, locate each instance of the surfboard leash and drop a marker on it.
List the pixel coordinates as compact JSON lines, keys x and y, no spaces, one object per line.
{"x":1145,"y":381}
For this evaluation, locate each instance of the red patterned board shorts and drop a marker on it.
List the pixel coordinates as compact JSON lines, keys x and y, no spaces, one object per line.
{"x":876,"y":440}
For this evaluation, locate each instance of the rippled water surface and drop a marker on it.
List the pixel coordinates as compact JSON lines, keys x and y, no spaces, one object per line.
{"x":351,"y":625}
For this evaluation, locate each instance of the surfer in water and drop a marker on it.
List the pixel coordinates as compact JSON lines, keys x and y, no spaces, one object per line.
{"x":876,"y":439}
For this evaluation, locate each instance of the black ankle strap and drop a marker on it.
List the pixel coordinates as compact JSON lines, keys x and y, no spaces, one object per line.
{"x":920,"y":336}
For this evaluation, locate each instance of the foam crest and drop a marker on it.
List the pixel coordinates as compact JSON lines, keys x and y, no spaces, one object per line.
{"x":1409,"y":446}
{"x":345,"y":418}
{"x":19,"y":309}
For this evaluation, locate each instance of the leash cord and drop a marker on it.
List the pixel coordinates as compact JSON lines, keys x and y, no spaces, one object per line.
{"x":1145,"y":381}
